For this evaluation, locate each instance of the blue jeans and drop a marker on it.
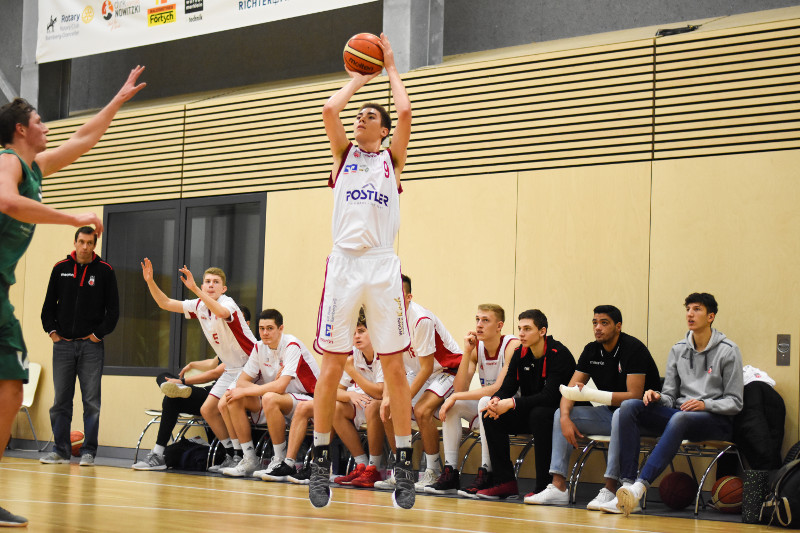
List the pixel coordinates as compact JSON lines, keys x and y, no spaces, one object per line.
{"x":589,"y":421}
{"x":82,"y":359}
{"x":673,"y":425}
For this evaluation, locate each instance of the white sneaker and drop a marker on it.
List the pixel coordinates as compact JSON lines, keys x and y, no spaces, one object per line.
{"x":153,"y":461}
{"x":611,"y":507}
{"x":230,"y":461}
{"x":245,"y":468}
{"x":387,"y":484}
{"x":603,"y":497}
{"x":628,"y":498}
{"x":428,"y":477}
{"x":175,"y":390}
{"x":549,"y":496}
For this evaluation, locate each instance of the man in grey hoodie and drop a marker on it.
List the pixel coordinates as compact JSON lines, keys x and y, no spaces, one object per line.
{"x":702,"y":392}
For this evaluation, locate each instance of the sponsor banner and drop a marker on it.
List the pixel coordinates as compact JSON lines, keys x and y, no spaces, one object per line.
{"x":75,"y":28}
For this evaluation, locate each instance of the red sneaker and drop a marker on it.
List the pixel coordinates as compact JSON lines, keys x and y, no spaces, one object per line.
{"x":367,"y":478}
{"x":346,"y":480}
{"x":500,"y":492}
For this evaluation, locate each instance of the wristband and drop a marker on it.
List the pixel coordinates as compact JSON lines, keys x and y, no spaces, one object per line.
{"x":183,"y":380}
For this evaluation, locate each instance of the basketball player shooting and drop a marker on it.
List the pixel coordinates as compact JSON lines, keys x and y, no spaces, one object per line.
{"x":363,"y":269}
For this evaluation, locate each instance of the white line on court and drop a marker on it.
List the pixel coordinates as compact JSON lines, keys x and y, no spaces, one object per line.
{"x":334,"y":501}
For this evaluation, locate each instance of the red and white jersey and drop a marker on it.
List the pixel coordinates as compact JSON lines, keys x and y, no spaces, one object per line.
{"x":295,"y":360}
{"x":230,"y":338}
{"x":264,"y":365}
{"x":489,"y":365}
{"x":370,"y":371}
{"x":429,"y":337}
{"x":366,"y":201}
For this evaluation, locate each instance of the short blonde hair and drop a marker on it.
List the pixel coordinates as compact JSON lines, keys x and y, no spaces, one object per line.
{"x":496,"y":309}
{"x":215,"y":271}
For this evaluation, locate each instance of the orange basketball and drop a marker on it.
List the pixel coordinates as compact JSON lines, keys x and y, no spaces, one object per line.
{"x":76,"y":439}
{"x":726,"y":496}
{"x":363,"y":54}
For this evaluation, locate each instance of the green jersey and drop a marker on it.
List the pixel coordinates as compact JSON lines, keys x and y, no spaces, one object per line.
{"x":15,"y":236}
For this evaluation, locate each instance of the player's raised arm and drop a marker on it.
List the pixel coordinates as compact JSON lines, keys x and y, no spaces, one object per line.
{"x":402,"y":106}
{"x":13,"y":204}
{"x":162,"y":300}
{"x":86,"y":137}
{"x":333,"y":107}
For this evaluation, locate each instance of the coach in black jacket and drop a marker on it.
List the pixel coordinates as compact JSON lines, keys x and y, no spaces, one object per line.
{"x":81,"y":307}
{"x":536,"y":370}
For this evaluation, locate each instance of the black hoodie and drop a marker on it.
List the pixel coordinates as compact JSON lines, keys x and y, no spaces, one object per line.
{"x":81,"y":299}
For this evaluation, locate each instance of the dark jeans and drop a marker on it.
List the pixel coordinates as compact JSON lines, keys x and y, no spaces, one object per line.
{"x":172,"y":407}
{"x":82,"y":359}
{"x":538,"y":422}
{"x":673,"y":425}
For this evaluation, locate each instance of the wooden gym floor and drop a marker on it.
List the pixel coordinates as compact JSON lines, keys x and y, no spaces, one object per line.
{"x":66,"y":498}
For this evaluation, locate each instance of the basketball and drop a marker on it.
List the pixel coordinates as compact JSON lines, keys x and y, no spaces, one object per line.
{"x":76,"y":438}
{"x":363,"y":54}
{"x":677,"y":490}
{"x":726,"y":496}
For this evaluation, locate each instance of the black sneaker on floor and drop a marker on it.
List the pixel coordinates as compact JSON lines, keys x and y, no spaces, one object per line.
{"x":8,"y":519}
{"x":302,"y":476}
{"x":279,"y":472}
{"x":404,"y":493}
{"x":448,"y":483}
{"x":482,"y":481}
{"x":319,"y":490}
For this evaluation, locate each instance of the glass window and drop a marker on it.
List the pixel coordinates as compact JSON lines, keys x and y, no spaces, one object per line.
{"x":225,"y":232}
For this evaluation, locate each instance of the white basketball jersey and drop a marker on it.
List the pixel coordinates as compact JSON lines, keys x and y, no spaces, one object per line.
{"x":231,"y":339}
{"x":366,"y":201}
{"x":370,"y":371}
{"x":299,"y":363}
{"x":489,"y":365}
{"x":429,"y":337}
{"x":264,"y":364}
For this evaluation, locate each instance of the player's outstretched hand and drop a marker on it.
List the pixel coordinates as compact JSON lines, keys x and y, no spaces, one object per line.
{"x":187,"y":278}
{"x":129,"y":89}
{"x":89,"y":219}
{"x":147,"y":270}
{"x":388,"y":54}
{"x":362,"y":79}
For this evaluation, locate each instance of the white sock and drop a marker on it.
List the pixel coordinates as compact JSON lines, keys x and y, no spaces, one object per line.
{"x":451,"y":436}
{"x":158,"y":449}
{"x":322,"y":439}
{"x":486,"y":459}
{"x":289,"y":461}
{"x":402,"y":442}
{"x":226,"y":443}
{"x":376,"y":461}
{"x":361,"y":459}
{"x":280,"y":450}
{"x":249,"y":450}
{"x":236,"y":445}
{"x":434,"y":462}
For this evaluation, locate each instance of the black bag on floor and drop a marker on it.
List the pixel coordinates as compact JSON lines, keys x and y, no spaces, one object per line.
{"x":782,"y":506}
{"x":186,"y":454}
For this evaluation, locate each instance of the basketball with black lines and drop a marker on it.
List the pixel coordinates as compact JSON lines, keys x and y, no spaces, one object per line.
{"x":363,"y":54}
{"x":726,"y":495}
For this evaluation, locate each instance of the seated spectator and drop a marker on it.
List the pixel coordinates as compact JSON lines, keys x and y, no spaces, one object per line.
{"x":536,"y":370}
{"x":489,"y":351}
{"x":621,"y":368}
{"x":701,"y":394}
{"x":181,"y":396}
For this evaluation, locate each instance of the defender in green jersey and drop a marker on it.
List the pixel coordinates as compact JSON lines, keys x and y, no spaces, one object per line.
{"x":24,"y":160}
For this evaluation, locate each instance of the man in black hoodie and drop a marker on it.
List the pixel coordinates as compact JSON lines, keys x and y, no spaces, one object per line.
{"x":537,"y":368}
{"x":81,"y":307}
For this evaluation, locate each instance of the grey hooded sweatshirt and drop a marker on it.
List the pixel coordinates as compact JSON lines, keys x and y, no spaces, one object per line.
{"x":713,"y":375}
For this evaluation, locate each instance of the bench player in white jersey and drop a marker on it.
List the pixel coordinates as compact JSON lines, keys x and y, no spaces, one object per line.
{"x":360,"y":382}
{"x":489,"y":351}
{"x":431,"y":365}
{"x":362,"y":268}
{"x":275,"y":362}
{"x":223,"y":325}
